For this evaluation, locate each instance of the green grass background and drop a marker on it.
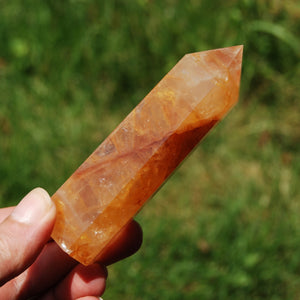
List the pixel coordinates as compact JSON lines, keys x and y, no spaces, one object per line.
{"x":226,"y":225}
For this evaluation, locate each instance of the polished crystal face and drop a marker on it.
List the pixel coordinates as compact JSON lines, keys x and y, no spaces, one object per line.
{"x":112,"y":185}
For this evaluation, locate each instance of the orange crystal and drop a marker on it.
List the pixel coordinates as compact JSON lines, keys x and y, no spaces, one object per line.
{"x":112,"y":185}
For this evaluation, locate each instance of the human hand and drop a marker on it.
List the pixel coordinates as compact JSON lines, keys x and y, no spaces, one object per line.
{"x":33,"y":266}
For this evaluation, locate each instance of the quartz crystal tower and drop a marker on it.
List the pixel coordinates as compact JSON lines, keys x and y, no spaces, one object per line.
{"x":112,"y":185}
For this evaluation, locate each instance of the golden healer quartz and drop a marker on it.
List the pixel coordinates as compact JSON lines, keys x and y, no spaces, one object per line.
{"x":112,"y":185}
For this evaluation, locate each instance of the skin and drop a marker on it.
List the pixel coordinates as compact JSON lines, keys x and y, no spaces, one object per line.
{"x":32,"y":266}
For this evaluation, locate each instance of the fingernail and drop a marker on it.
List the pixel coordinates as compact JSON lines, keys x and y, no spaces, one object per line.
{"x":33,"y":207}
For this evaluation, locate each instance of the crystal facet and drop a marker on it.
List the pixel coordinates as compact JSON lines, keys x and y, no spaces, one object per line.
{"x":111,"y":186}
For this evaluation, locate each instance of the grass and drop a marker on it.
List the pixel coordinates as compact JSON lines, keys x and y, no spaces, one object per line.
{"x":226,"y":225}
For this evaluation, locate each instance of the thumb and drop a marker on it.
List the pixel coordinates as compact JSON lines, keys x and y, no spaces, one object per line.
{"x":24,"y":233}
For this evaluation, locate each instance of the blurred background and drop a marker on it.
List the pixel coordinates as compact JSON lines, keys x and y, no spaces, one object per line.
{"x":226,"y":225}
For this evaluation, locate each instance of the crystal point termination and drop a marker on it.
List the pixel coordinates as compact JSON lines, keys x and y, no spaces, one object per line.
{"x":111,"y":186}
